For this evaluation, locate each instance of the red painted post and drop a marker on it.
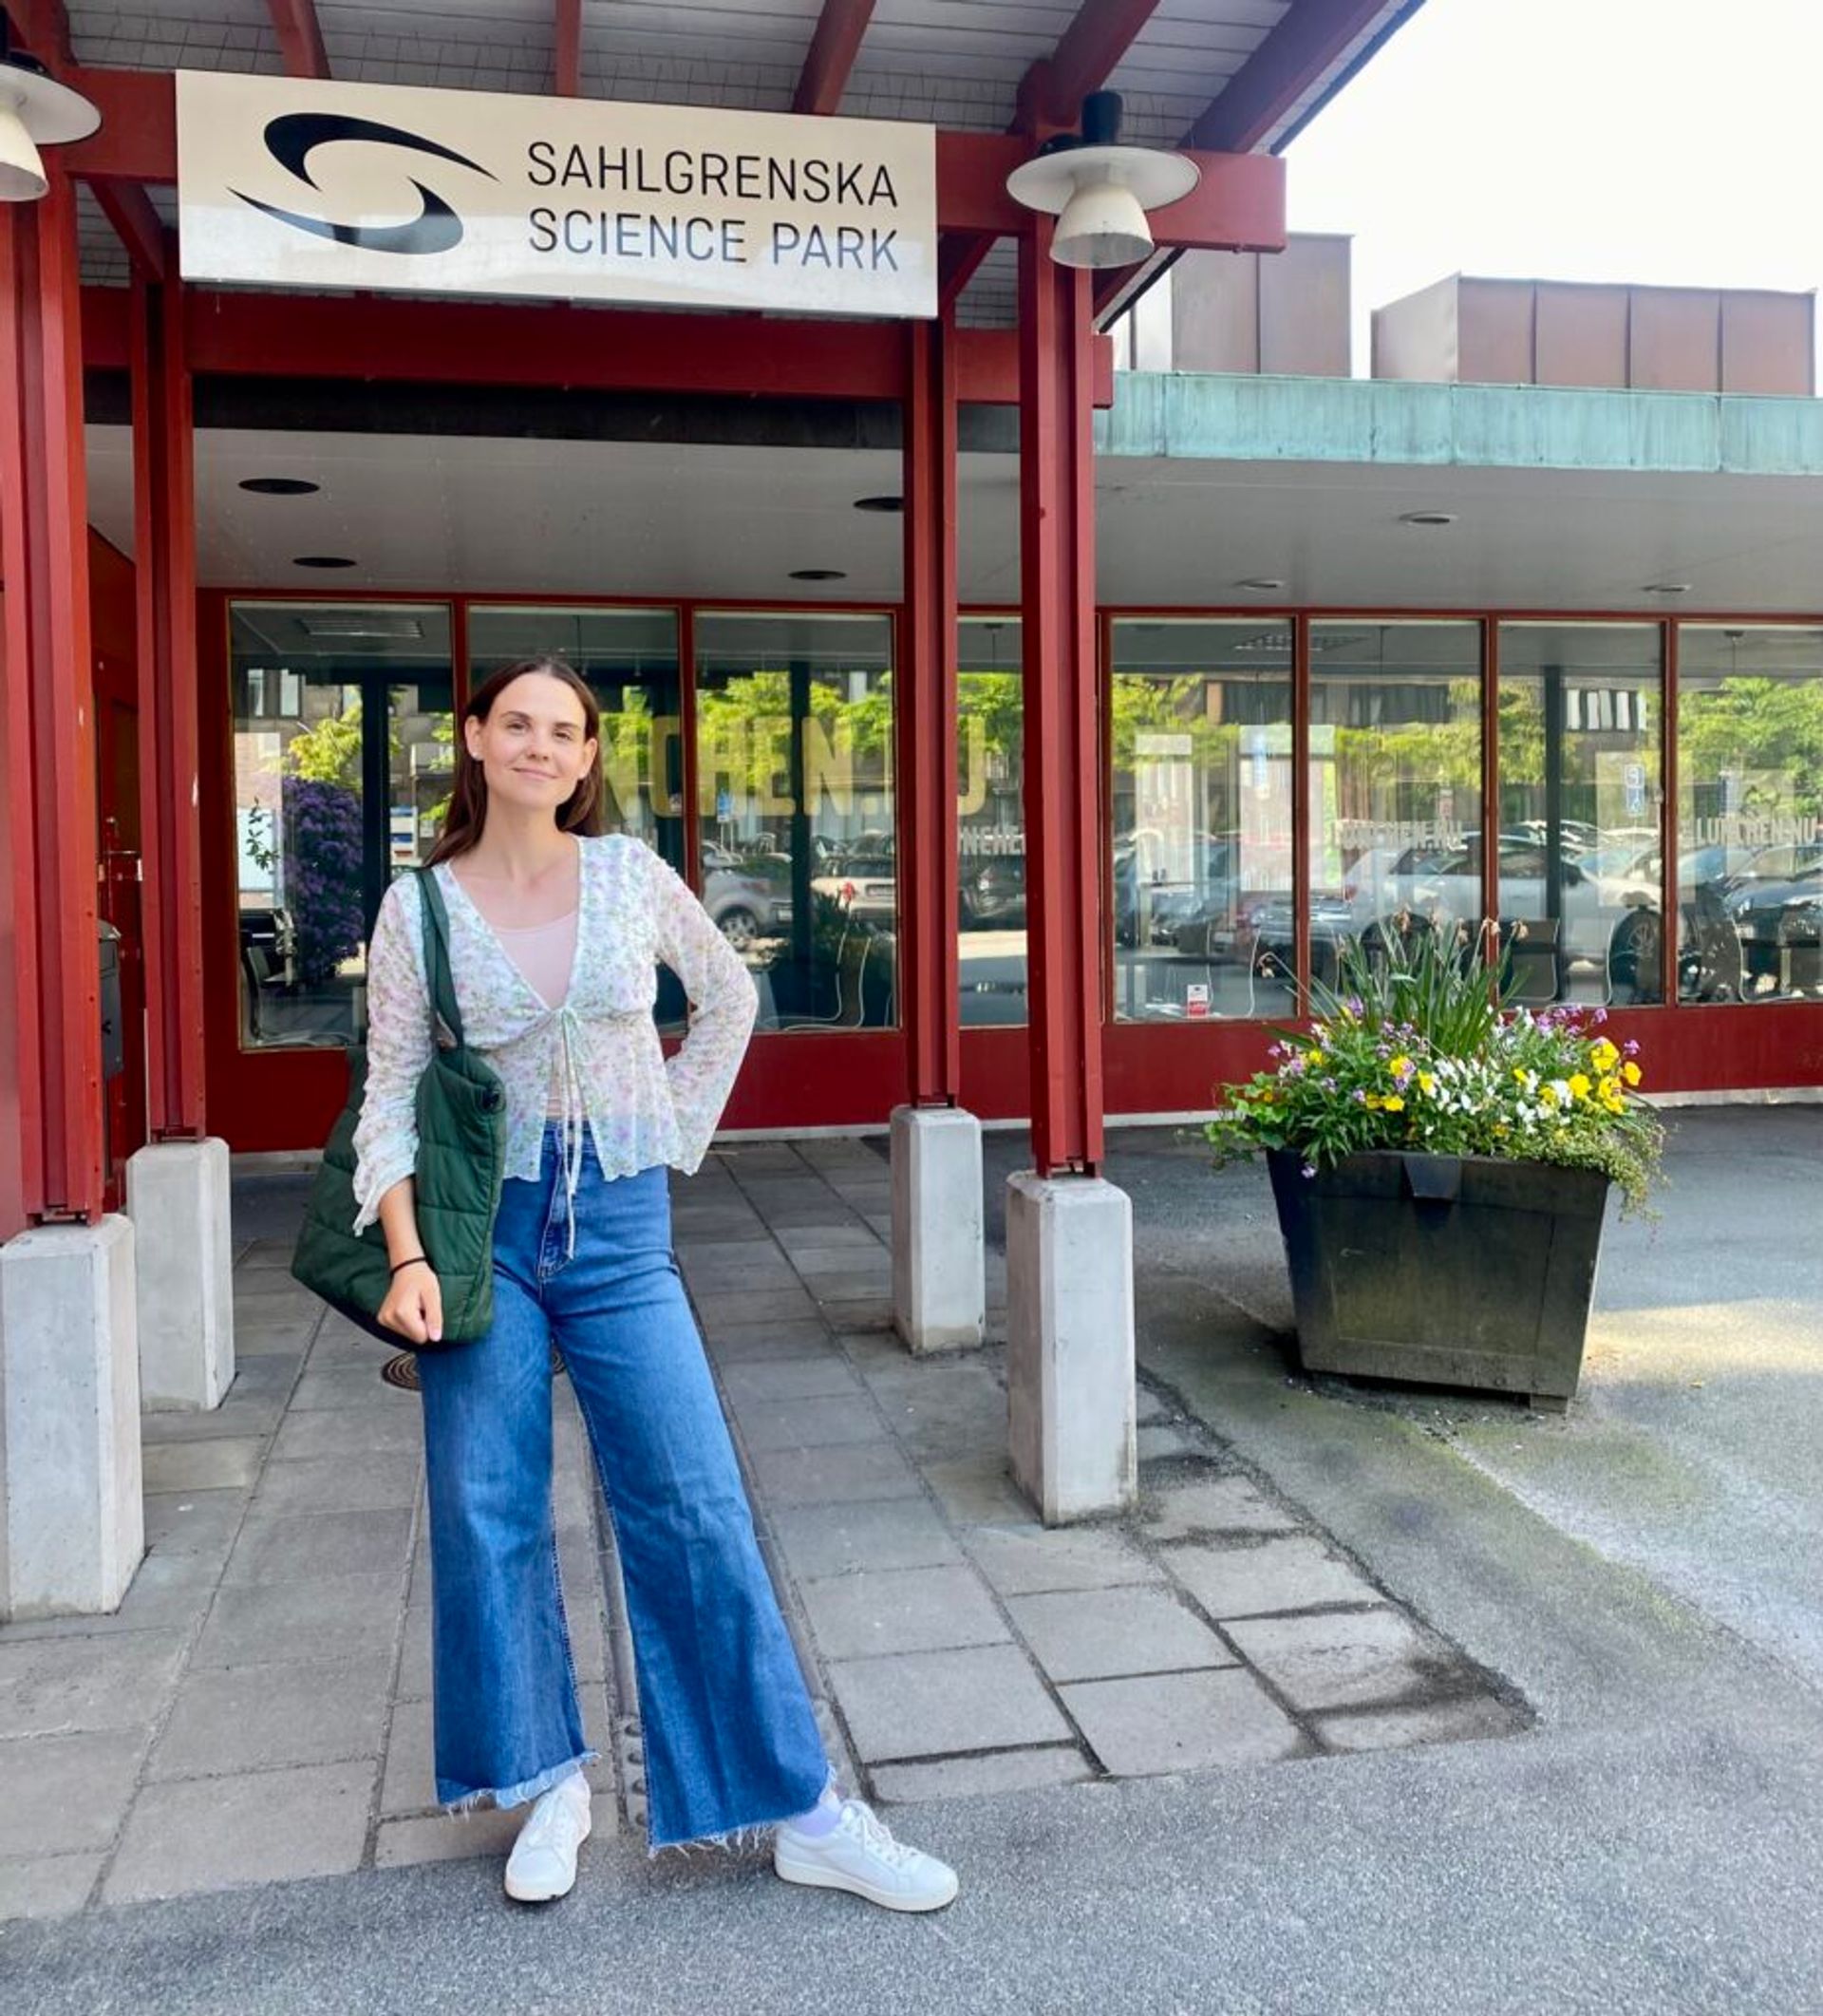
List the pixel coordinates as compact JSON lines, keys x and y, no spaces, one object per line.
{"x":1063,"y":804}
{"x":929,"y":872}
{"x":165,"y":584}
{"x":49,"y":733}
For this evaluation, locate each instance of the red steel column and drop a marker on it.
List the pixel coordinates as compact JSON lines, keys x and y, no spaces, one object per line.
{"x":165,"y":580}
{"x":1063,"y":804}
{"x":927,"y":722}
{"x":54,"y":1013}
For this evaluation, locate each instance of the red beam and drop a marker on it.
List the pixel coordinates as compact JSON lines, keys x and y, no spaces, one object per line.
{"x":137,"y":224}
{"x":1091,"y":51}
{"x":566,"y":39}
{"x":1063,"y":786}
{"x":46,"y":677}
{"x":300,"y":37}
{"x":926,"y":720}
{"x":42,"y":28}
{"x":831,"y":56}
{"x":1310,"y":39}
{"x":137,"y":141}
{"x":164,"y":518}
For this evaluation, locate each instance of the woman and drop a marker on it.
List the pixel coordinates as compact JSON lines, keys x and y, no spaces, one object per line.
{"x":555,"y":936}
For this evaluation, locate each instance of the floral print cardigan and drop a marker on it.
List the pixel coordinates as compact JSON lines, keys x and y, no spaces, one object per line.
{"x":600,"y":1048}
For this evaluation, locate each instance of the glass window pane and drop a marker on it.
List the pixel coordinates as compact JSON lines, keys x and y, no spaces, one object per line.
{"x":795,"y":807}
{"x":991,"y":818}
{"x":1750,"y":813}
{"x":1581,"y":789}
{"x":342,"y":737}
{"x":1201,"y":763}
{"x":628,"y":657}
{"x":1395,"y":782}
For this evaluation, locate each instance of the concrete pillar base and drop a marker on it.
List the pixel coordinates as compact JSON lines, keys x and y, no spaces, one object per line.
{"x":1070,"y":1350}
{"x":939,"y":1286}
{"x":178,"y":1198}
{"x":69,"y":1433}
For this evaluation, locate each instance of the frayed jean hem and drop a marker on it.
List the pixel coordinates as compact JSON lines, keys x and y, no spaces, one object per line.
{"x":750,"y":1835}
{"x":456,"y":1799}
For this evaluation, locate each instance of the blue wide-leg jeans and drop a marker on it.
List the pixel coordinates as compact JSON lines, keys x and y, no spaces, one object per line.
{"x":730,"y":1740}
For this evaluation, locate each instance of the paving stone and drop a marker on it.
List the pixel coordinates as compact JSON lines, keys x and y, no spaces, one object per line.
{"x":1101,"y":1634}
{"x":264,"y":1337}
{"x":409,"y":1781}
{"x":902,"y":1609}
{"x":944,"y":1410}
{"x":414,"y":1681}
{"x":327,"y":1617}
{"x":340,"y":1430}
{"x":832,"y":1238}
{"x":846,"y":1538}
{"x":1209,"y":1505}
{"x":199,"y":1522}
{"x":943,"y":1703}
{"x":65,"y":1793}
{"x":753,"y":1268}
{"x":872,"y":1313}
{"x":791,"y":1379}
{"x":1181,"y":1722}
{"x":265,"y":1378}
{"x":766,"y":1343}
{"x":221,"y":1833}
{"x":1277,"y":1574}
{"x":1147,"y":1407}
{"x":166,"y":1590}
{"x":1001,"y":1771}
{"x":233,"y":1418}
{"x":350,"y":1480}
{"x":1160,"y":1441}
{"x":251,"y":1718}
{"x":867,"y":1261}
{"x":839,"y":1474}
{"x":978,"y":1491}
{"x":1345,"y":1659}
{"x":1475,"y":1720}
{"x":809,"y":1423}
{"x":287,"y":1548}
{"x":47,"y":1887}
{"x":349,"y":1386}
{"x":722,"y":1307}
{"x":63,"y":1687}
{"x":1028,"y":1560}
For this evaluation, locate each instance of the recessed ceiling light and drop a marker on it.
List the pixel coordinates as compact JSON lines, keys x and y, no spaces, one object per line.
{"x":1427,"y":518}
{"x":818,"y":574}
{"x":1665,"y":587}
{"x":1261,"y":584}
{"x":323,"y":560}
{"x":879,"y":503}
{"x":279,"y":486}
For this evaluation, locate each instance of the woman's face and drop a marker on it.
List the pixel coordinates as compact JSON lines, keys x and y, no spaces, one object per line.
{"x":533,"y":747}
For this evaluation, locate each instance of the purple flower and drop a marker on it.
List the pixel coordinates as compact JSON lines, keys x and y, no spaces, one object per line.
{"x":1360,"y":1096}
{"x":1309,"y":1169}
{"x":1356,"y":1006}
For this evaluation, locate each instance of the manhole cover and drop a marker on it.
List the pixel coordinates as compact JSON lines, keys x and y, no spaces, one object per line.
{"x":401,"y":1369}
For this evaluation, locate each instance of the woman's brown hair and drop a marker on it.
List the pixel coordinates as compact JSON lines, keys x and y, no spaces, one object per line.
{"x":584,"y":811}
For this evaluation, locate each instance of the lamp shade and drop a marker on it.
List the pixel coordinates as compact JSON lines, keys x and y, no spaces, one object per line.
{"x":22,"y":174}
{"x":1102,"y":225}
{"x":35,"y":108}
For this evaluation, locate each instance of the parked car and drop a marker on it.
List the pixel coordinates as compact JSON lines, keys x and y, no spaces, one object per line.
{"x":992,"y":892}
{"x":866,"y":886}
{"x":744,"y":900}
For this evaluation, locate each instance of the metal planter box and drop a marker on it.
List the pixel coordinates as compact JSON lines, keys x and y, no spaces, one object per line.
{"x":1452,"y":1270}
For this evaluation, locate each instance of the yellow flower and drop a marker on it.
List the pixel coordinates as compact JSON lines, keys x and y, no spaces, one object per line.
{"x":1603,"y":1054}
{"x":1426,"y":1082}
{"x":1578,"y":1085}
{"x":1630,"y":1071}
{"x":1519,"y":1076}
{"x":1313,"y":1058}
{"x":1400,"y":1066}
{"x":1394,"y":1103}
{"x":1501,"y":1129}
{"x":1609,"y":1089}
{"x":1548,"y":1095}
{"x":1374,"y":1101}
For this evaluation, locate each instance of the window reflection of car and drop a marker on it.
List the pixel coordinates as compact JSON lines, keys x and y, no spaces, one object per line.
{"x":746,"y":899}
{"x":1776,"y":909}
{"x":270,"y":936}
{"x":864,"y":886}
{"x":992,"y":895}
{"x":1157,"y":909}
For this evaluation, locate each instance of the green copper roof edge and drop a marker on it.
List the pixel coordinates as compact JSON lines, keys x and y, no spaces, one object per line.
{"x":1208,"y":417}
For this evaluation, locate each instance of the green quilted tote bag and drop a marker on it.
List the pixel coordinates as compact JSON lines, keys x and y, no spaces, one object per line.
{"x":461,"y":1157}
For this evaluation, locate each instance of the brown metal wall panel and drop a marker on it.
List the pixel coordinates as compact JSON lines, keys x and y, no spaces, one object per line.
{"x":1580,"y":335}
{"x":1676,"y":342}
{"x":1769,"y":344}
{"x":1215,"y":311}
{"x":1305,"y":308}
{"x":1493,"y":333}
{"x":1415,"y":338}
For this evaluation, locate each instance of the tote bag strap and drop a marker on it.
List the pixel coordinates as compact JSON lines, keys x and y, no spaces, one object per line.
{"x":442,"y":985}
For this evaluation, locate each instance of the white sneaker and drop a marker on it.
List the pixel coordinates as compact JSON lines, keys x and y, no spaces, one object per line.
{"x":544,"y":1862}
{"x":859,"y":1853}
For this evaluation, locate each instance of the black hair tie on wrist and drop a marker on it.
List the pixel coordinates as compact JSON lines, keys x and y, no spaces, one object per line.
{"x":414,"y":1261}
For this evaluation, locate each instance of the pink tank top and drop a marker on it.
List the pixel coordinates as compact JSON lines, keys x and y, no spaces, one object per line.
{"x":544,"y":954}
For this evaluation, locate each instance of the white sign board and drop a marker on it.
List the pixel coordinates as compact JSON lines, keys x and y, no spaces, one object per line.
{"x":304,"y":182}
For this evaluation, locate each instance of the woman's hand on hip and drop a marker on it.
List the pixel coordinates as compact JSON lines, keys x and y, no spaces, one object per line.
{"x":414,"y":1304}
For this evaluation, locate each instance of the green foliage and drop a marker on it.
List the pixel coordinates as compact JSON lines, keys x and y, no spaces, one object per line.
{"x":1413,"y":1049}
{"x":328,"y":753}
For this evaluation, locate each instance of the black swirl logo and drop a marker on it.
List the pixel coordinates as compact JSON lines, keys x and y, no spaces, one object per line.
{"x":292,"y":138}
